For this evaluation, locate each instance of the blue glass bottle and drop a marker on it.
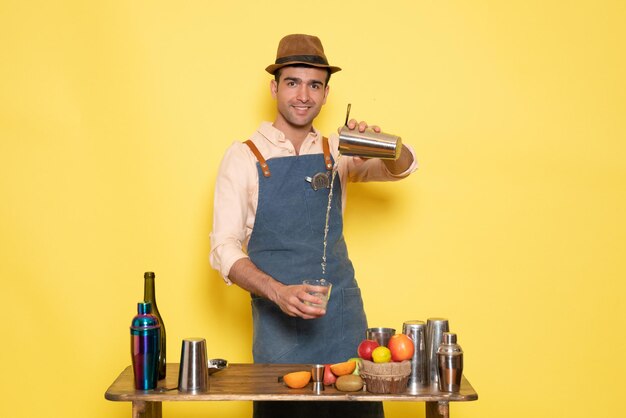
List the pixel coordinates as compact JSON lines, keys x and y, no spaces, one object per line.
{"x":145,"y":340}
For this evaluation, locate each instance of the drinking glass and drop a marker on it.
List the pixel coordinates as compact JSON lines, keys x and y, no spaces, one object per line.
{"x":323,"y":294}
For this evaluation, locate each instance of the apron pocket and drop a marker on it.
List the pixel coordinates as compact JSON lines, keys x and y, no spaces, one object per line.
{"x":353,"y":320}
{"x":275,"y":333}
{"x":317,"y":206}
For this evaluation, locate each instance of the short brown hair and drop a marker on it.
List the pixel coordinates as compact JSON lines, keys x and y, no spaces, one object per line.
{"x":278,"y":71}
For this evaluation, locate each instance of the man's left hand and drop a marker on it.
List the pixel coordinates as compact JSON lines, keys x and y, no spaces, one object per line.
{"x":362,"y":126}
{"x":394,"y":166}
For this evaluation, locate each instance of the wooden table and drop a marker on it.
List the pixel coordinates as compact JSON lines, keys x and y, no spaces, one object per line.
{"x":259,"y":382}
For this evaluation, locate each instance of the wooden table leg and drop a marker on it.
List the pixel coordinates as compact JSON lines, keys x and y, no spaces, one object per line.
{"x":142,"y":409}
{"x":439,"y":409}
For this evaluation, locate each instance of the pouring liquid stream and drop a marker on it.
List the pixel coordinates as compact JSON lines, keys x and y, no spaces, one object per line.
{"x":330,"y":199}
{"x":328,"y":207}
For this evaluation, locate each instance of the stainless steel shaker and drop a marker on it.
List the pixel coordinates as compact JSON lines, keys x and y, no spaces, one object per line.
{"x":416,"y":331}
{"x":450,"y":357}
{"x":435,"y":327}
{"x":368,"y":144}
{"x":193,"y":374}
{"x":380,"y":335}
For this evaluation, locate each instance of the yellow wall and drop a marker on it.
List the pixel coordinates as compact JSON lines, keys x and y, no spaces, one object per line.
{"x":113,"y":119}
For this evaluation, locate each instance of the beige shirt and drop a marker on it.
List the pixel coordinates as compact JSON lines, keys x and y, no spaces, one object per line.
{"x":237,"y":187}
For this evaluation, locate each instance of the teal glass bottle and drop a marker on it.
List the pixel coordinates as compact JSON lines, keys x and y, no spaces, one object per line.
{"x":150,"y":296}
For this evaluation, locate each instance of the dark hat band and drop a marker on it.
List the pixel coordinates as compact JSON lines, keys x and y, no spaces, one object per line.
{"x":313,"y":59}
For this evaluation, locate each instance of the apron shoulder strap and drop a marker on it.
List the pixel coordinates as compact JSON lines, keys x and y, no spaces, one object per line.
{"x":326,"y":148}
{"x":264,"y":167}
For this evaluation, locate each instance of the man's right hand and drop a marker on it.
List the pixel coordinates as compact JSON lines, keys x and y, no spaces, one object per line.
{"x":289,"y":298}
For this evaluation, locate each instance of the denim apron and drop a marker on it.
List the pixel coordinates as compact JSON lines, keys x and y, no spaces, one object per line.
{"x":287,"y":244}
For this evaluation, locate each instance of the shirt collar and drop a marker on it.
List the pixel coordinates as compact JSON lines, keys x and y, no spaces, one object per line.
{"x":277,"y":137}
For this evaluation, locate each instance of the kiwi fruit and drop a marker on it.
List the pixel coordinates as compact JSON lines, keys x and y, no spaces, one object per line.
{"x":349,"y":383}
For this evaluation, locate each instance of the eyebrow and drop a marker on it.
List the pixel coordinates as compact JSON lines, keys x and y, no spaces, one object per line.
{"x":299,"y":80}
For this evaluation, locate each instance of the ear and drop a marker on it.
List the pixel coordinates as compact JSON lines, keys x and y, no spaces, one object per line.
{"x":326,"y":91}
{"x":273,"y":88}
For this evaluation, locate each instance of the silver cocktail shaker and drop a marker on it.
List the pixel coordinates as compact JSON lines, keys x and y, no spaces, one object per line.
{"x":368,"y":144}
{"x":435,"y":327}
{"x":450,"y":356}
{"x":380,"y":335}
{"x":193,"y":372}
{"x":416,"y":331}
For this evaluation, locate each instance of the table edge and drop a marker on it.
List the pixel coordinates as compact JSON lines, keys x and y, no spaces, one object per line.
{"x":156,"y":396}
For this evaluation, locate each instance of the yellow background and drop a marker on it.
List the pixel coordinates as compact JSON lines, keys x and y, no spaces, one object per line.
{"x":114,"y":116}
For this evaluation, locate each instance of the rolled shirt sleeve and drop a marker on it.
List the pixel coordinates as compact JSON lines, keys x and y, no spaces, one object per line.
{"x":233,"y":217}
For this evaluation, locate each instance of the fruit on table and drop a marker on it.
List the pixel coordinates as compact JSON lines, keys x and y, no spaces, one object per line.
{"x":365,"y":349}
{"x":349,"y":383}
{"x":381,"y":354}
{"x":401,"y":347}
{"x":329,"y":377}
{"x":344,"y":368}
{"x":297,"y":380}
{"x":357,"y":360}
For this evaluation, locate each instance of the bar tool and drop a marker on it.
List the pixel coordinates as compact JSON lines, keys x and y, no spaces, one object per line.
{"x":380,"y":335}
{"x":450,"y":357}
{"x":317,"y":375}
{"x":217,"y":364}
{"x":368,"y":144}
{"x":416,"y":330}
{"x":145,"y":339}
{"x":435,"y":327}
{"x":193,"y":375}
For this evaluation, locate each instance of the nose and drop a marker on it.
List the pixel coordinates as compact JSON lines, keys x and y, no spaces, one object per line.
{"x":303,"y":93}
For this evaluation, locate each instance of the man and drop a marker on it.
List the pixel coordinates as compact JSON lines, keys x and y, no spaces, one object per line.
{"x":269,"y":220}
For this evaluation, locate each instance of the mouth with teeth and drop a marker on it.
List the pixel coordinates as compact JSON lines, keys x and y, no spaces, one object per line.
{"x":301,"y":108}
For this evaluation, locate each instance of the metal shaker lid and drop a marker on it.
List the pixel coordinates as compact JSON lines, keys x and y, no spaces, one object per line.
{"x":449,"y":338}
{"x":144,"y":308}
{"x":449,"y":345}
{"x":144,"y":319}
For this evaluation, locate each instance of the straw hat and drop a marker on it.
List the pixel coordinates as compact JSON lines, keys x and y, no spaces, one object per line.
{"x":300,"y":49}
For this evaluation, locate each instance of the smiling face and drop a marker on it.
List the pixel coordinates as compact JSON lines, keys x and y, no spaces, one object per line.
{"x":300,"y":94}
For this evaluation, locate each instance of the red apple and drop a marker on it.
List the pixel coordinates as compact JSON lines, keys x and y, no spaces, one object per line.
{"x":329,"y":377}
{"x":401,"y":347}
{"x":365,"y":349}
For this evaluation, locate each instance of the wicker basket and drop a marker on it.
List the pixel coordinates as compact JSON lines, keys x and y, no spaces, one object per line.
{"x":386,"y":377}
